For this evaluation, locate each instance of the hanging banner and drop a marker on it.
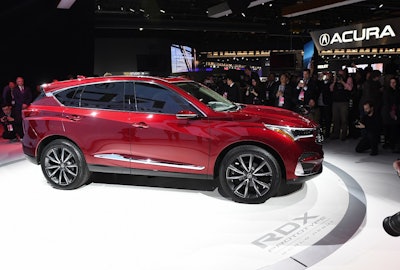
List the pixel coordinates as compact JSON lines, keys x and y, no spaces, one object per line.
{"x":358,"y":36}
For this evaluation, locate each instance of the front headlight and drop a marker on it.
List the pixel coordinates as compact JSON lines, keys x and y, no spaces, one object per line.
{"x":293,"y":132}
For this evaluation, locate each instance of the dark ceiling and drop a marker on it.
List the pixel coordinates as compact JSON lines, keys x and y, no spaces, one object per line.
{"x":263,"y":26}
{"x":43,"y":42}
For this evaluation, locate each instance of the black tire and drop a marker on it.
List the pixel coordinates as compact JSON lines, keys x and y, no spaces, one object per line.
{"x":64,"y":165}
{"x":249,"y":174}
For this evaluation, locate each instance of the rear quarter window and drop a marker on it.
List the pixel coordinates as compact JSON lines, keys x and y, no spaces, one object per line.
{"x":99,"y":96}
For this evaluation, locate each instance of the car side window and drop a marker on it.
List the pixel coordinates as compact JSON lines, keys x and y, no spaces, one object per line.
{"x":70,"y":97}
{"x":154,"y":98}
{"x":104,"y":96}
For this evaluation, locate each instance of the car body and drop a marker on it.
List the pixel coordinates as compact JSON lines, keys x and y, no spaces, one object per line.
{"x":167,"y":127}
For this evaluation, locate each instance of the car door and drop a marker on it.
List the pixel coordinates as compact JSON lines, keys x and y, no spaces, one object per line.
{"x":97,"y":119}
{"x":161,"y":141}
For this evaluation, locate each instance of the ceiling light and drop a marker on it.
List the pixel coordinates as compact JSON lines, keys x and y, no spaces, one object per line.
{"x":244,"y":15}
{"x":132,"y":10}
{"x":223,"y":8}
{"x":65,"y":4}
{"x":162,"y":11}
{"x":381,"y":5}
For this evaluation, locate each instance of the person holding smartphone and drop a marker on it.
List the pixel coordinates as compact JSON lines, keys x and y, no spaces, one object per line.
{"x":306,"y":91}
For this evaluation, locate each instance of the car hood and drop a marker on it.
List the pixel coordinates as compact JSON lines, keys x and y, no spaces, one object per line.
{"x":272,"y":115}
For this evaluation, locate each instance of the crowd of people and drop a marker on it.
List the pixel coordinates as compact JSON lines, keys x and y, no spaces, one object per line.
{"x":364,"y":104}
{"x":15,"y":97}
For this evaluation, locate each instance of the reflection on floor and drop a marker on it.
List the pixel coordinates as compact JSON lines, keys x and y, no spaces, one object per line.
{"x":117,"y":222}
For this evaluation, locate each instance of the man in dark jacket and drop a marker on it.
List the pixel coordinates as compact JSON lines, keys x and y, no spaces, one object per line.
{"x":371,"y":125}
{"x":233,"y":91}
{"x":306,"y":89}
{"x":7,"y":121}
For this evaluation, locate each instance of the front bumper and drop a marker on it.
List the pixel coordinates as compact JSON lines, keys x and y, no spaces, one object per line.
{"x":308,"y":166}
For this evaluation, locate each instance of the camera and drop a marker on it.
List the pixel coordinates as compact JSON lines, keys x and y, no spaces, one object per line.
{"x":339,"y":77}
{"x":356,"y":122}
{"x":303,"y":110}
{"x":391,"y":224}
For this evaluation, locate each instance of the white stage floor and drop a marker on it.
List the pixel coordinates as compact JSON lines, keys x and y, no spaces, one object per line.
{"x":117,"y":222}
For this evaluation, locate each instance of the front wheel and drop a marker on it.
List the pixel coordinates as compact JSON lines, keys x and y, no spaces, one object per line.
{"x":64,"y":165}
{"x":249,"y":174}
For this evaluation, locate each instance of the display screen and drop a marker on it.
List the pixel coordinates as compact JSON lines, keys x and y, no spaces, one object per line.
{"x":182,"y":58}
{"x":375,"y":66}
{"x":308,"y":54}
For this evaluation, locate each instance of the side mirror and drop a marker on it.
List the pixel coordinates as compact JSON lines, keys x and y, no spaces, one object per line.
{"x":186,"y":114}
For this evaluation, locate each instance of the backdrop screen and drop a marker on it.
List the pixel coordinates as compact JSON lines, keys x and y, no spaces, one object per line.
{"x":182,"y":58}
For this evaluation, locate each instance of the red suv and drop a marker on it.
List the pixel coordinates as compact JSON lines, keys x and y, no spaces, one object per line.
{"x":167,"y":127}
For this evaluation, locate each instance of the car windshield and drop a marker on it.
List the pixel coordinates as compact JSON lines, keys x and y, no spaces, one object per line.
{"x":208,"y":96}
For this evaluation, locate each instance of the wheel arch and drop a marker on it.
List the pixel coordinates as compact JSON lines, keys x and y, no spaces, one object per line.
{"x":48,"y":140}
{"x":254,"y":143}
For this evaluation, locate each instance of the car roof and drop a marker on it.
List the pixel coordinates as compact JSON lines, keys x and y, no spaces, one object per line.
{"x":81,"y":80}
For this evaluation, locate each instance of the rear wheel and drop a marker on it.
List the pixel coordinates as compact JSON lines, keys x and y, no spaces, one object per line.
{"x":249,"y":174}
{"x":64,"y":165}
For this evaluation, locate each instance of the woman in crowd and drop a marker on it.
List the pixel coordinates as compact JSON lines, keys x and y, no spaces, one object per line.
{"x":341,"y":88}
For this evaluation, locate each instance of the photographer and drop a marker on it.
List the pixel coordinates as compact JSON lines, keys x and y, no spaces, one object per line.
{"x":371,"y":123}
{"x":391,"y":224}
{"x":7,"y":122}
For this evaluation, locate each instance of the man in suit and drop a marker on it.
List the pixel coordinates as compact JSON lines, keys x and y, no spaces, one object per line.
{"x":233,"y":92}
{"x":24,"y":96}
{"x":19,"y":97}
{"x":6,"y":90}
{"x":270,"y":87}
{"x":306,"y":89}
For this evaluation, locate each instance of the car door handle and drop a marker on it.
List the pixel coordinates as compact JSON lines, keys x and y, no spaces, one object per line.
{"x":140,"y":125}
{"x":73,"y":117}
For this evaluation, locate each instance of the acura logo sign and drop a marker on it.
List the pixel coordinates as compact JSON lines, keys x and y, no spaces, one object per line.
{"x":367,"y":34}
{"x":355,"y":35}
{"x":324,"y":39}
